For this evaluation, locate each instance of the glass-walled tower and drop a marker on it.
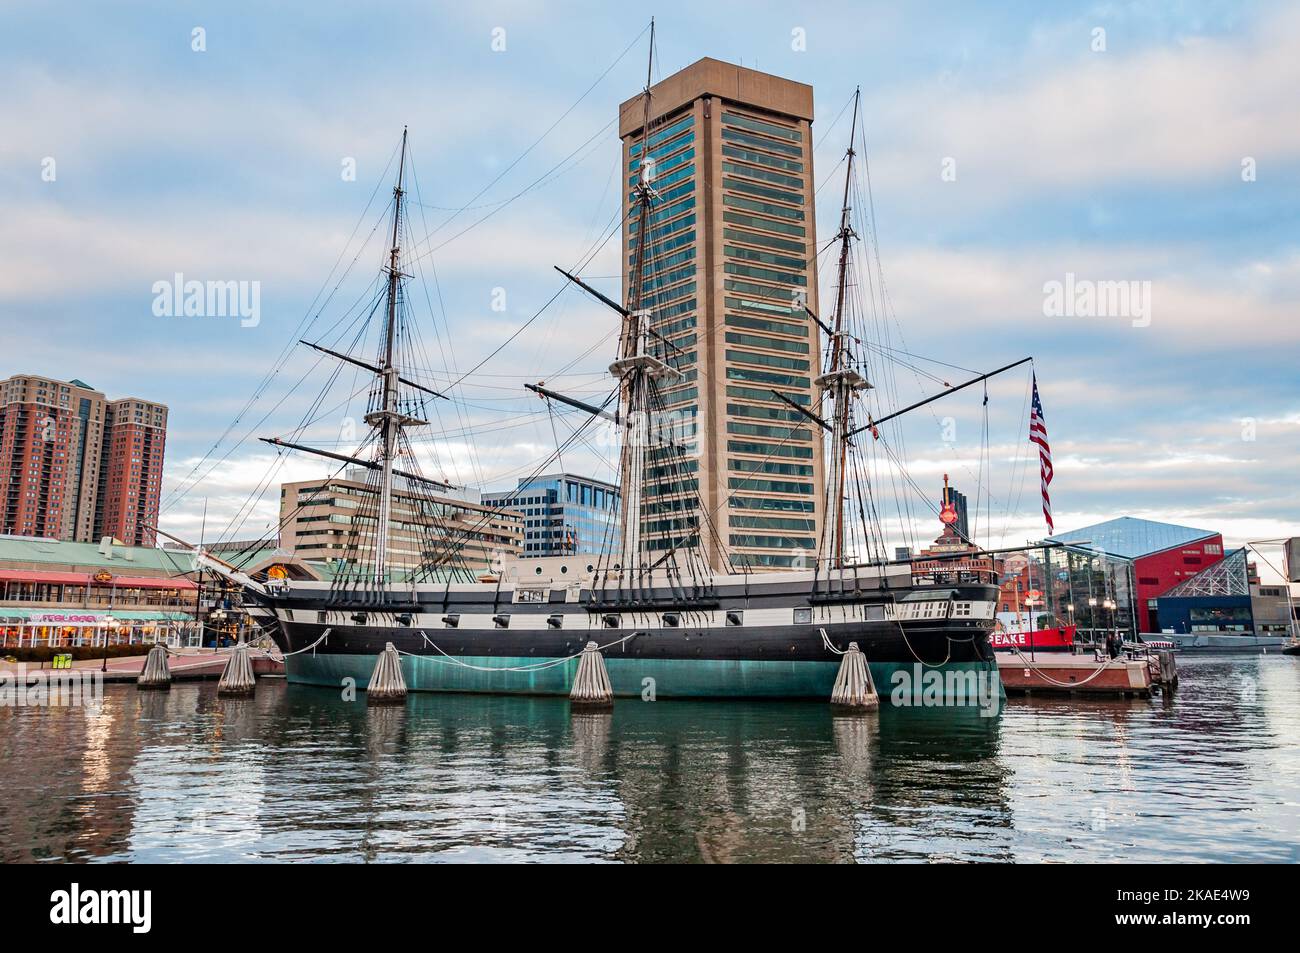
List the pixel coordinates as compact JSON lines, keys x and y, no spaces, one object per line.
{"x":729,"y":268}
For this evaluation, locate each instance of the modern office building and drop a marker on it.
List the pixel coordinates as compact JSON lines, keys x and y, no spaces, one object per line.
{"x":318,"y":518}
{"x":729,"y":264}
{"x":1046,"y":586}
{"x":564,"y":514}
{"x":76,"y":466}
{"x":1227,"y":598}
{"x":1163,"y":555}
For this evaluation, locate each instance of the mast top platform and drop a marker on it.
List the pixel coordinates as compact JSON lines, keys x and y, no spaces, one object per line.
{"x":649,"y":365}
{"x":844,"y":377}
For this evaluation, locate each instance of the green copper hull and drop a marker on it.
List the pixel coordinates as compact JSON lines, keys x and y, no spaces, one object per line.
{"x":664,"y":678}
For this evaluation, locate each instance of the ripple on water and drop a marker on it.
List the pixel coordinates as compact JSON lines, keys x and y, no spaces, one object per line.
{"x":297,"y":774}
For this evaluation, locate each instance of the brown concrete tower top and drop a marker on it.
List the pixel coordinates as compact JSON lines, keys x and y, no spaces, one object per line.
{"x":710,"y":77}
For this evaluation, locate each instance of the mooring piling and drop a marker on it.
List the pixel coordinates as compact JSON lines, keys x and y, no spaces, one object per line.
{"x":591,"y":685}
{"x":237,"y":678}
{"x":156,"y":673}
{"x":1168,"y":671}
{"x":387,"y":685}
{"x":854,"y":690}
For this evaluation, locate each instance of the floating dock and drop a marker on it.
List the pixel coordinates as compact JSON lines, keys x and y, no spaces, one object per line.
{"x":1064,"y":674}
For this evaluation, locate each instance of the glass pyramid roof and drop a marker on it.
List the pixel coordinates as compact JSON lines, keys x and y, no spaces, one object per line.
{"x":1227,"y":577}
{"x":1131,"y":537}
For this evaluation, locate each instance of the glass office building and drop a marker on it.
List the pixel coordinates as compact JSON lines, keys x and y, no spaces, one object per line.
{"x":1070,"y":585}
{"x":729,"y":265}
{"x":564,"y":514}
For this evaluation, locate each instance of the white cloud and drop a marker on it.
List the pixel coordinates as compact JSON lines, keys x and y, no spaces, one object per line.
{"x":1163,"y":114}
{"x":1195,"y":303}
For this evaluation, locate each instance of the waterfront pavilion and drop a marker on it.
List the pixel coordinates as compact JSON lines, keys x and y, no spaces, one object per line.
{"x":55,"y":593}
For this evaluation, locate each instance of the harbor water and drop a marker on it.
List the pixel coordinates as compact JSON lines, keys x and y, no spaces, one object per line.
{"x":297,"y":773}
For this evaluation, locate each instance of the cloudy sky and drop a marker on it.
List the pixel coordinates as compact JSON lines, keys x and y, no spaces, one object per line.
{"x":1009,"y":148}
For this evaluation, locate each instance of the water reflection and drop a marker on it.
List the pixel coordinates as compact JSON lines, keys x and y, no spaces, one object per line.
{"x":297,"y":773}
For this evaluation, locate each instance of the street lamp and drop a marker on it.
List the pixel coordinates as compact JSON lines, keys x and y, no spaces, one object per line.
{"x":109,"y":622}
{"x":218,"y":616}
{"x":1030,"y":601}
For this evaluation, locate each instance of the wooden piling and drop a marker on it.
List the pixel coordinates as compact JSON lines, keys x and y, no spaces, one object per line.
{"x":591,"y":686}
{"x":237,"y":678}
{"x":156,"y":674}
{"x":1168,"y":671}
{"x":854,"y":691}
{"x":387,"y":684}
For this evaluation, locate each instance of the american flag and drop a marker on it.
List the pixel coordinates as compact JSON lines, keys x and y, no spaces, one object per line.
{"x":1038,"y":435}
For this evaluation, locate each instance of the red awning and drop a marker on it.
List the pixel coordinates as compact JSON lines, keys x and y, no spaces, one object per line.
{"x":87,"y":578}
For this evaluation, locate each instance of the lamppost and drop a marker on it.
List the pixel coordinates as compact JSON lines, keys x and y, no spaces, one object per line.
{"x":1029,"y":601}
{"x":218,"y":616}
{"x":1092,"y":617}
{"x":1113,"y":642}
{"x":109,"y":622}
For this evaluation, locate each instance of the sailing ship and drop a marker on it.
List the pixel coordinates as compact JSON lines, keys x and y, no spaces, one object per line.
{"x":666,"y":622}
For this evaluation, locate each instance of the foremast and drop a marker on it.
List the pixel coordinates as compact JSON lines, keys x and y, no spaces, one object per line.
{"x":386,"y":419}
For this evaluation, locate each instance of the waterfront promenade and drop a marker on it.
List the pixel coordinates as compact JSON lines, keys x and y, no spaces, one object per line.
{"x":185,"y":665}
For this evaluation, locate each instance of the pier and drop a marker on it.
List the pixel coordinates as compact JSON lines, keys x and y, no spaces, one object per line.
{"x":1064,"y":674}
{"x":186,"y":665}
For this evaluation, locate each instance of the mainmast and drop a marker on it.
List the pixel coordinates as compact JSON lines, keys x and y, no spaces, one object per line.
{"x":638,"y":370}
{"x":636,"y":367}
{"x":388,"y":419}
{"x":645,"y":194}
{"x":841,"y":383}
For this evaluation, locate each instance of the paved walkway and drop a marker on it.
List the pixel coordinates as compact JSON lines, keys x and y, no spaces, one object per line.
{"x":188,"y":664}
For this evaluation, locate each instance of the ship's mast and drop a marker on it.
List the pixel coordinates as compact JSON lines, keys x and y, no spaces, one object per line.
{"x":645,"y":194}
{"x":636,"y":366}
{"x":388,"y":419}
{"x":841,"y":383}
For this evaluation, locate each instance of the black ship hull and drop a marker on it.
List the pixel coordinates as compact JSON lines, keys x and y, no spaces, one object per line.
{"x":778,"y":639}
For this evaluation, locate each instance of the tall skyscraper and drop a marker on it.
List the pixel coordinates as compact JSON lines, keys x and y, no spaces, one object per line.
{"x":729,"y":265}
{"x":76,"y":466}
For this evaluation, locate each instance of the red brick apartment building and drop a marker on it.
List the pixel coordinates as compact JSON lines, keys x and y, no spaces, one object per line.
{"x":130,"y":481}
{"x":77,"y":466}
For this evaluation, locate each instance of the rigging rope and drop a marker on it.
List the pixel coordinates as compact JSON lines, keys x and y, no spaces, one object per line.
{"x":535,"y":667}
{"x":1033,"y":666}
